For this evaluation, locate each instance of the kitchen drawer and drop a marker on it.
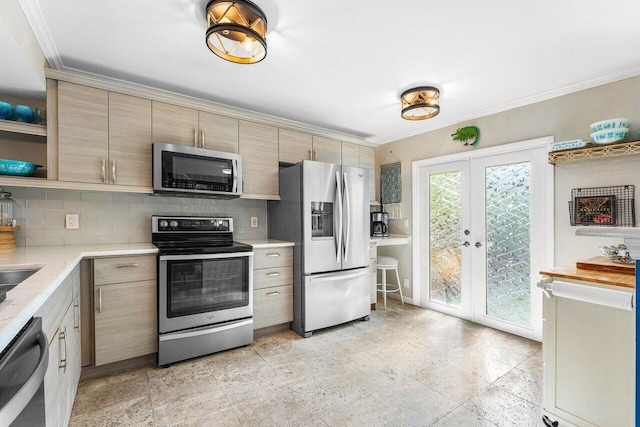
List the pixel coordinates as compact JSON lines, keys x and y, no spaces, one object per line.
{"x":272,"y":257}
{"x":272,"y":306}
{"x":54,"y":309}
{"x":269,"y":277}
{"x":124,"y":269}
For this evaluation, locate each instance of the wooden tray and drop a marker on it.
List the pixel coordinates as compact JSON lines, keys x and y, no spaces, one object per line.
{"x":601,"y":263}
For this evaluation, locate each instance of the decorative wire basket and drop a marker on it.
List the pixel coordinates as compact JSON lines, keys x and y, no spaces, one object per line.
{"x":623,"y":206}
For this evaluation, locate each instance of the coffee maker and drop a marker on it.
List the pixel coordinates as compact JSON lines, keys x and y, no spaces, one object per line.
{"x":379,"y":224}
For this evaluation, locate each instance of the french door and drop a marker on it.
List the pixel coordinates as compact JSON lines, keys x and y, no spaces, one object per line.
{"x":484,"y":236}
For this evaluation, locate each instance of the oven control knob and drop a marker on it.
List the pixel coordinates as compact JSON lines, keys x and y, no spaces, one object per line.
{"x":163,"y":224}
{"x":173,"y":224}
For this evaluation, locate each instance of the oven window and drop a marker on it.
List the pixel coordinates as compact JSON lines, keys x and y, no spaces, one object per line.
{"x":206,"y":285}
{"x":197,"y":169}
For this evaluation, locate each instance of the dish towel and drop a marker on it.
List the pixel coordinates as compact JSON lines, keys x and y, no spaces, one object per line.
{"x":391,"y":189}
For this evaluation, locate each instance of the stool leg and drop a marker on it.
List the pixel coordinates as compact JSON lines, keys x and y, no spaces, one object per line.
{"x":384,"y":287}
{"x":399,"y":286}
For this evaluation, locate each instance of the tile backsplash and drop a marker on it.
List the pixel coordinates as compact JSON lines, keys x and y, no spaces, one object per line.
{"x":107,"y":217}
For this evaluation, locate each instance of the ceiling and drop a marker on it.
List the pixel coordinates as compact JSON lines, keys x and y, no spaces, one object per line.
{"x":342,"y":65}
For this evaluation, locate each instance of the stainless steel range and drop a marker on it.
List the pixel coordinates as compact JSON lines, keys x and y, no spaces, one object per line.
{"x":205,"y":287}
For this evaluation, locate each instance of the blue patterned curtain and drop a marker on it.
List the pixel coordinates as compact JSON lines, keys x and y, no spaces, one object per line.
{"x":391,"y":189}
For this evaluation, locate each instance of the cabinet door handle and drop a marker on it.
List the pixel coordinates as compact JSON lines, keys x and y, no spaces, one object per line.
{"x":113,"y":172}
{"x":273,"y":294}
{"x":99,"y":299}
{"x":310,"y":155}
{"x":315,"y":154}
{"x":195,"y":138}
{"x":202,"y":138}
{"x":104,"y":170}
{"x":128,"y":265}
{"x":62,"y":336}
{"x":273,"y":255}
{"x":76,"y":317}
{"x":275,"y":274}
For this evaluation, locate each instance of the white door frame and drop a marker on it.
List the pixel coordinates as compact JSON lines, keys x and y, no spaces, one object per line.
{"x":418,"y":234}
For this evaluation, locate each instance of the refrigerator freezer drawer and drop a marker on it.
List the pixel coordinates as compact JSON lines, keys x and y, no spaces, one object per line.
{"x":334,"y":298}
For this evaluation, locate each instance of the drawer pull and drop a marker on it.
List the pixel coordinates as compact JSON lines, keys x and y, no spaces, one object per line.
{"x":76,"y":316}
{"x":275,"y":274}
{"x":99,"y":299}
{"x":133,"y":264}
{"x":273,"y":294}
{"x":273,"y":255}
{"x":62,"y":336}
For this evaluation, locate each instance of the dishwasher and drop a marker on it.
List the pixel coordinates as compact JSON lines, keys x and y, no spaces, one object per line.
{"x":23,"y":365}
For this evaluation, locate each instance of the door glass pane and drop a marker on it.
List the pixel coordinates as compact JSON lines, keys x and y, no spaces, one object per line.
{"x":205,"y":285}
{"x":508,"y":194}
{"x":445,"y":225}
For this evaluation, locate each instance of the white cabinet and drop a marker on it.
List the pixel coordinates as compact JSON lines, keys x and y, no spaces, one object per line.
{"x":589,"y":359}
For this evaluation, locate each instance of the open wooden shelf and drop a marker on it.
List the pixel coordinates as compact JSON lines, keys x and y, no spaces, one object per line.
{"x":595,"y":152}
{"x":24,"y":128}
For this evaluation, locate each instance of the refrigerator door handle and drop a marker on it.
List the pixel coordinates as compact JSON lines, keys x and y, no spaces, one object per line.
{"x":348,"y":215}
{"x":338,"y":232}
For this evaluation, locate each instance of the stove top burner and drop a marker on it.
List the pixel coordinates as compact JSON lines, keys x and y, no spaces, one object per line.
{"x":174,"y":235}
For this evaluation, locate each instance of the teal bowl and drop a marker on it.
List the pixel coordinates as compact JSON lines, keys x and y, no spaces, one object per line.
{"x":6,"y":111}
{"x":17,"y":168}
{"x":25,"y":113}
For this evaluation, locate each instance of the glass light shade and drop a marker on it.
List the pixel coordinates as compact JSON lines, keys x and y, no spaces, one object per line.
{"x":420,"y":103}
{"x":236,"y":31}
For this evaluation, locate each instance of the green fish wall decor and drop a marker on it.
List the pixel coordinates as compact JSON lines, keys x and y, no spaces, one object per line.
{"x":469,"y":135}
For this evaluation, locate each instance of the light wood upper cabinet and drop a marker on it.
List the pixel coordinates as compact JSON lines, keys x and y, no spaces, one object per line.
{"x":368,"y":161}
{"x":129,"y":140}
{"x":350,"y":154}
{"x":327,"y":150}
{"x":294,"y":146}
{"x":258,"y":145}
{"x":174,"y":124}
{"x":83,"y":133}
{"x":218,"y":132}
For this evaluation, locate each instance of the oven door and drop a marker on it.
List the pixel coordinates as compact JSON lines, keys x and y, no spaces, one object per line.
{"x":199,"y":290}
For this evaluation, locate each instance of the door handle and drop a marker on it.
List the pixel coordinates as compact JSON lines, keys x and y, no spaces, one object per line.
{"x":113,"y":172}
{"x":339,"y":231}
{"x":348,"y":219}
{"x":99,"y":299}
{"x":310,"y":155}
{"x":478,"y":244}
{"x":202,"y":138}
{"x":62,"y":362}
{"x":104,"y":170}
{"x":315,"y":154}
{"x":195,"y":138}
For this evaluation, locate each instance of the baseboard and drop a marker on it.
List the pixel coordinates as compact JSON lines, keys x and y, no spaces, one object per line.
{"x":92,"y":372}
{"x":270,"y":330}
{"x":407,"y":300}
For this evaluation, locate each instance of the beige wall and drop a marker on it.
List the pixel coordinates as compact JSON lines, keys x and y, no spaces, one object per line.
{"x":566,"y":117}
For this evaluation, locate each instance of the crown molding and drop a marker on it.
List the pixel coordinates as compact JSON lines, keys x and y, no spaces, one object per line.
{"x":39,"y":27}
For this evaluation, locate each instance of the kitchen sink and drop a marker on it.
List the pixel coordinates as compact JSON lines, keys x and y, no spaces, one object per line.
{"x":9,"y":279}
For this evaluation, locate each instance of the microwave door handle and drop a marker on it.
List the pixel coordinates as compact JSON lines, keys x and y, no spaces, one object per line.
{"x":338,"y":233}
{"x":348,"y":215}
{"x":234,"y":166}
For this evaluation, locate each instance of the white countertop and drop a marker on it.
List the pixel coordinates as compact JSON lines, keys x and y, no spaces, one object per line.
{"x":55,"y":263}
{"x":392,"y":240}
{"x":266,"y":243}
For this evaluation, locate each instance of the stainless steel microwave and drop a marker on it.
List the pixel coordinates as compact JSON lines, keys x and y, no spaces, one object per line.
{"x":191,"y":171}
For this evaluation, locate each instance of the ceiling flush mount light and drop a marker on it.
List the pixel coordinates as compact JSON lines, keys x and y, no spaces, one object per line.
{"x":420,"y":103}
{"x":236,"y":31}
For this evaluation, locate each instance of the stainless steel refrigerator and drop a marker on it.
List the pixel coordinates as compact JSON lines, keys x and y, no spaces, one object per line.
{"x":324,"y":210}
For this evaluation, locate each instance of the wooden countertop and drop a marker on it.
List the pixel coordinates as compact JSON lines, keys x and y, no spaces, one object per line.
{"x":592,"y":276}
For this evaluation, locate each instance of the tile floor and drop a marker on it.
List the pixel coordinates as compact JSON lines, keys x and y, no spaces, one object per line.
{"x":405,"y":367}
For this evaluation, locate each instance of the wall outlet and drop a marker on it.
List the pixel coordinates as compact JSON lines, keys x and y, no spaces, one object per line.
{"x":405,"y":281}
{"x":72,"y":221}
{"x":254,"y":222}
{"x":406,"y":223}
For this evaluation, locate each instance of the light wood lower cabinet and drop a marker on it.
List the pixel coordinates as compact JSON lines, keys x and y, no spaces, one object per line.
{"x":125,"y":310}
{"x":61,"y":323}
{"x":272,"y":287}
